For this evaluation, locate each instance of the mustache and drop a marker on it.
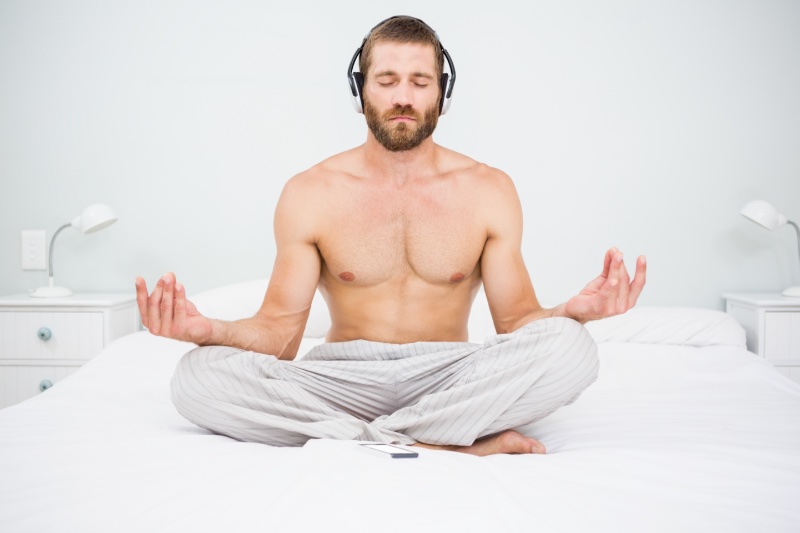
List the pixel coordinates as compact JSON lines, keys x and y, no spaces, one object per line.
{"x":404,"y":111}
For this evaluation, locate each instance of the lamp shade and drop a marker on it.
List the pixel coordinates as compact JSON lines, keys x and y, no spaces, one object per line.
{"x":763,"y":213}
{"x":94,"y":218}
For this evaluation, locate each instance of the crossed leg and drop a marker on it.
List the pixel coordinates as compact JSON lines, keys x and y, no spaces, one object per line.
{"x":461,"y":397}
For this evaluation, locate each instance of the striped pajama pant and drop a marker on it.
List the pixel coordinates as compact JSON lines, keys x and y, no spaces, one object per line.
{"x":429,"y":392}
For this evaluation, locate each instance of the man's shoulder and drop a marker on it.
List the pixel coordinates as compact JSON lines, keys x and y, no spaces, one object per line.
{"x":477,"y":174}
{"x":491,"y":193}
{"x":321,"y":175}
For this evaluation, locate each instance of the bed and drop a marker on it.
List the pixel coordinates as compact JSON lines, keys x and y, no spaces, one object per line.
{"x":684,"y":430}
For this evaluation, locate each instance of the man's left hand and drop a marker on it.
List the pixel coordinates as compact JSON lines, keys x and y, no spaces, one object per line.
{"x":611,"y":293}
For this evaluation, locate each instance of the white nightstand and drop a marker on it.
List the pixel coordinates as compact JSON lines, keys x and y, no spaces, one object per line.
{"x":43,"y":340}
{"x":772,"y":323}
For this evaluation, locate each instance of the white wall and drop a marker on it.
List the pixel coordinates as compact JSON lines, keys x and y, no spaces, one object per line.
{"x":645,"y":125}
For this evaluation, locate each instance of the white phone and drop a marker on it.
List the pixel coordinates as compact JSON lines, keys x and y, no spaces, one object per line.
{"x":395,"y":452}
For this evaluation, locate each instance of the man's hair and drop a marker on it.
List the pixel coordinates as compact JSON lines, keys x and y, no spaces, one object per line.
{"x":401,"y":29}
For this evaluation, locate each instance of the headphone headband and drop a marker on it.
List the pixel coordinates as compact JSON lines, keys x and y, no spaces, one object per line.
{"x":356,"y":79}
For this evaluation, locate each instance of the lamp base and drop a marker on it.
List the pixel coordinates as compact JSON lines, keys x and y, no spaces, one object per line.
{"x":792,"y":292}
{"x":51,"y":292}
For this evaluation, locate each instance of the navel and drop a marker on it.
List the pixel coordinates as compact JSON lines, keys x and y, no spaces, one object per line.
{"x":455,"y":278}
{"x":347,"y":276}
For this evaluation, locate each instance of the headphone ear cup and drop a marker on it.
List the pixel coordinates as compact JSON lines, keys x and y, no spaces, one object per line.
{"x":444,"y":98}
{"x":358,"y":99}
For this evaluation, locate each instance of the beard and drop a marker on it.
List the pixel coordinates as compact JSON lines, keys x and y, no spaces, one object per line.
{"x":402,"y":136}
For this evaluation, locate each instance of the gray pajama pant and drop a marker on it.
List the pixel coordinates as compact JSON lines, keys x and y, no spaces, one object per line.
{"x":429,"y":392}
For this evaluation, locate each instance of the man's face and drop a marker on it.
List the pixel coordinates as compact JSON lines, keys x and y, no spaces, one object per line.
{"x":401,"y":95}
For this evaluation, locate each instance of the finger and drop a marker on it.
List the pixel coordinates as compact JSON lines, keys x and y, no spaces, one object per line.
{"x":179,"y":313}
{"x":154,"y":308}
{"x":167,"y":303}
{"x":615,"y":271}
{"x":611,"y":287}
{"x":639,"y":279}
{"x":141,"y":299}
{"x":624,"y":289}
{"x":607,"y":262}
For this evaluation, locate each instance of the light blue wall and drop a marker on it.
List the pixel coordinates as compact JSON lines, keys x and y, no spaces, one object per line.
{"x":645,"y":125}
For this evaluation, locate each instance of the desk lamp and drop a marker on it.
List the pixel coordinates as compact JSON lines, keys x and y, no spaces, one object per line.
{"x":764,"y":214}
{"x":94,"y":218}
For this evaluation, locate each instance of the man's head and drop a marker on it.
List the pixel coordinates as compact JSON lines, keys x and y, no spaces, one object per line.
{"x":401,"y":29}
{"x":401,"y":63}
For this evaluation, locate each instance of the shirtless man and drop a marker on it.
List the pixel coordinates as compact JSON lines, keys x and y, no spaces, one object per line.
{"x":397,"y":234}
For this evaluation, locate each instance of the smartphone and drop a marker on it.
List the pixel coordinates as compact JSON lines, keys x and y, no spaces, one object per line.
{"x":395,"y":452}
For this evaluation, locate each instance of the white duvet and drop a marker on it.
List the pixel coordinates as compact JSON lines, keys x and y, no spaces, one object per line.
{"x":684,"y":431}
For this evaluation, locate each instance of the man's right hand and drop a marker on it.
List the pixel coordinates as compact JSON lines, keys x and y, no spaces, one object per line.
{"x":167,"y":312}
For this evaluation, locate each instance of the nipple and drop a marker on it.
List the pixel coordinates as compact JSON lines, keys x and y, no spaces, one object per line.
{"x":455,"y":278}
{"x":347,"y":276}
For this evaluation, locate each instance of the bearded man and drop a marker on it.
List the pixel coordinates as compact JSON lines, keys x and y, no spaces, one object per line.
{"x":398,"y":234}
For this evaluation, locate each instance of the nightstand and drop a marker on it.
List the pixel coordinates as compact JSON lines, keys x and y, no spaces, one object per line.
{"x":772,"y":323}
{"x":43,"y":340}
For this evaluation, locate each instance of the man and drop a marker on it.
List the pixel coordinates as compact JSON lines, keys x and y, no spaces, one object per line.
{"x":397,"y":234}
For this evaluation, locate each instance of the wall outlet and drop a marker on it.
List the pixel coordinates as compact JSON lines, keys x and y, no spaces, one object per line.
{"x":34,"y":256}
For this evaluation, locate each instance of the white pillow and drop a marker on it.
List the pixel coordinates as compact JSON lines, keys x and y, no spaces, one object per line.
{"x":242,"y":300}
{"x":670,"y":325}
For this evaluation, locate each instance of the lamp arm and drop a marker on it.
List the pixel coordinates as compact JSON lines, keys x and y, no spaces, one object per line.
{"x":797,"y":229}
{"x":53,"y":241}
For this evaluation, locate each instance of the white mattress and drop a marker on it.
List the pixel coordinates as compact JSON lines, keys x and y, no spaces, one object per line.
{"x":698,"y":435}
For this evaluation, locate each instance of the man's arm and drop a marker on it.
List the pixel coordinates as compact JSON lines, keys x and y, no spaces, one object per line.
{"x":277,"y":328}
{"x":509,"y":291}
{"x":510,"y":294}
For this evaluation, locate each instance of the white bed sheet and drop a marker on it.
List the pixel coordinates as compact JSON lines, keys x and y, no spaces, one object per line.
{"x":670,"y":438}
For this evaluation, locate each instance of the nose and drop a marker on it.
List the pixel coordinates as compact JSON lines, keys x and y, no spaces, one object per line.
{"x":402,"y":95}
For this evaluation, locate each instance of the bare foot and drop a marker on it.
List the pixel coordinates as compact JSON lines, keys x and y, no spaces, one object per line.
{"x":509,"y":441}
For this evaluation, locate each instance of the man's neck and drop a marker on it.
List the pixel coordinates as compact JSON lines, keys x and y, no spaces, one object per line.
{"x":399,"y":166}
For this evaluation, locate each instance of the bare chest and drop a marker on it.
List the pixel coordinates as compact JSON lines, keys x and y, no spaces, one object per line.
{"x":376,"y":235}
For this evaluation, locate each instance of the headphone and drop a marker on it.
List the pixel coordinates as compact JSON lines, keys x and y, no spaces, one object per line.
{"x":356,"y":79}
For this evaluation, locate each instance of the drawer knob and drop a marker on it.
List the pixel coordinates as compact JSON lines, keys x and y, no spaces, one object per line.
{"x":45,"y":384}
{"x":44,"y":334}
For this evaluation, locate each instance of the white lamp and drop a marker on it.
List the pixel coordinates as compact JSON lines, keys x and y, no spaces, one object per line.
{"x":94,"y":218}
{"x":764,"y":214}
